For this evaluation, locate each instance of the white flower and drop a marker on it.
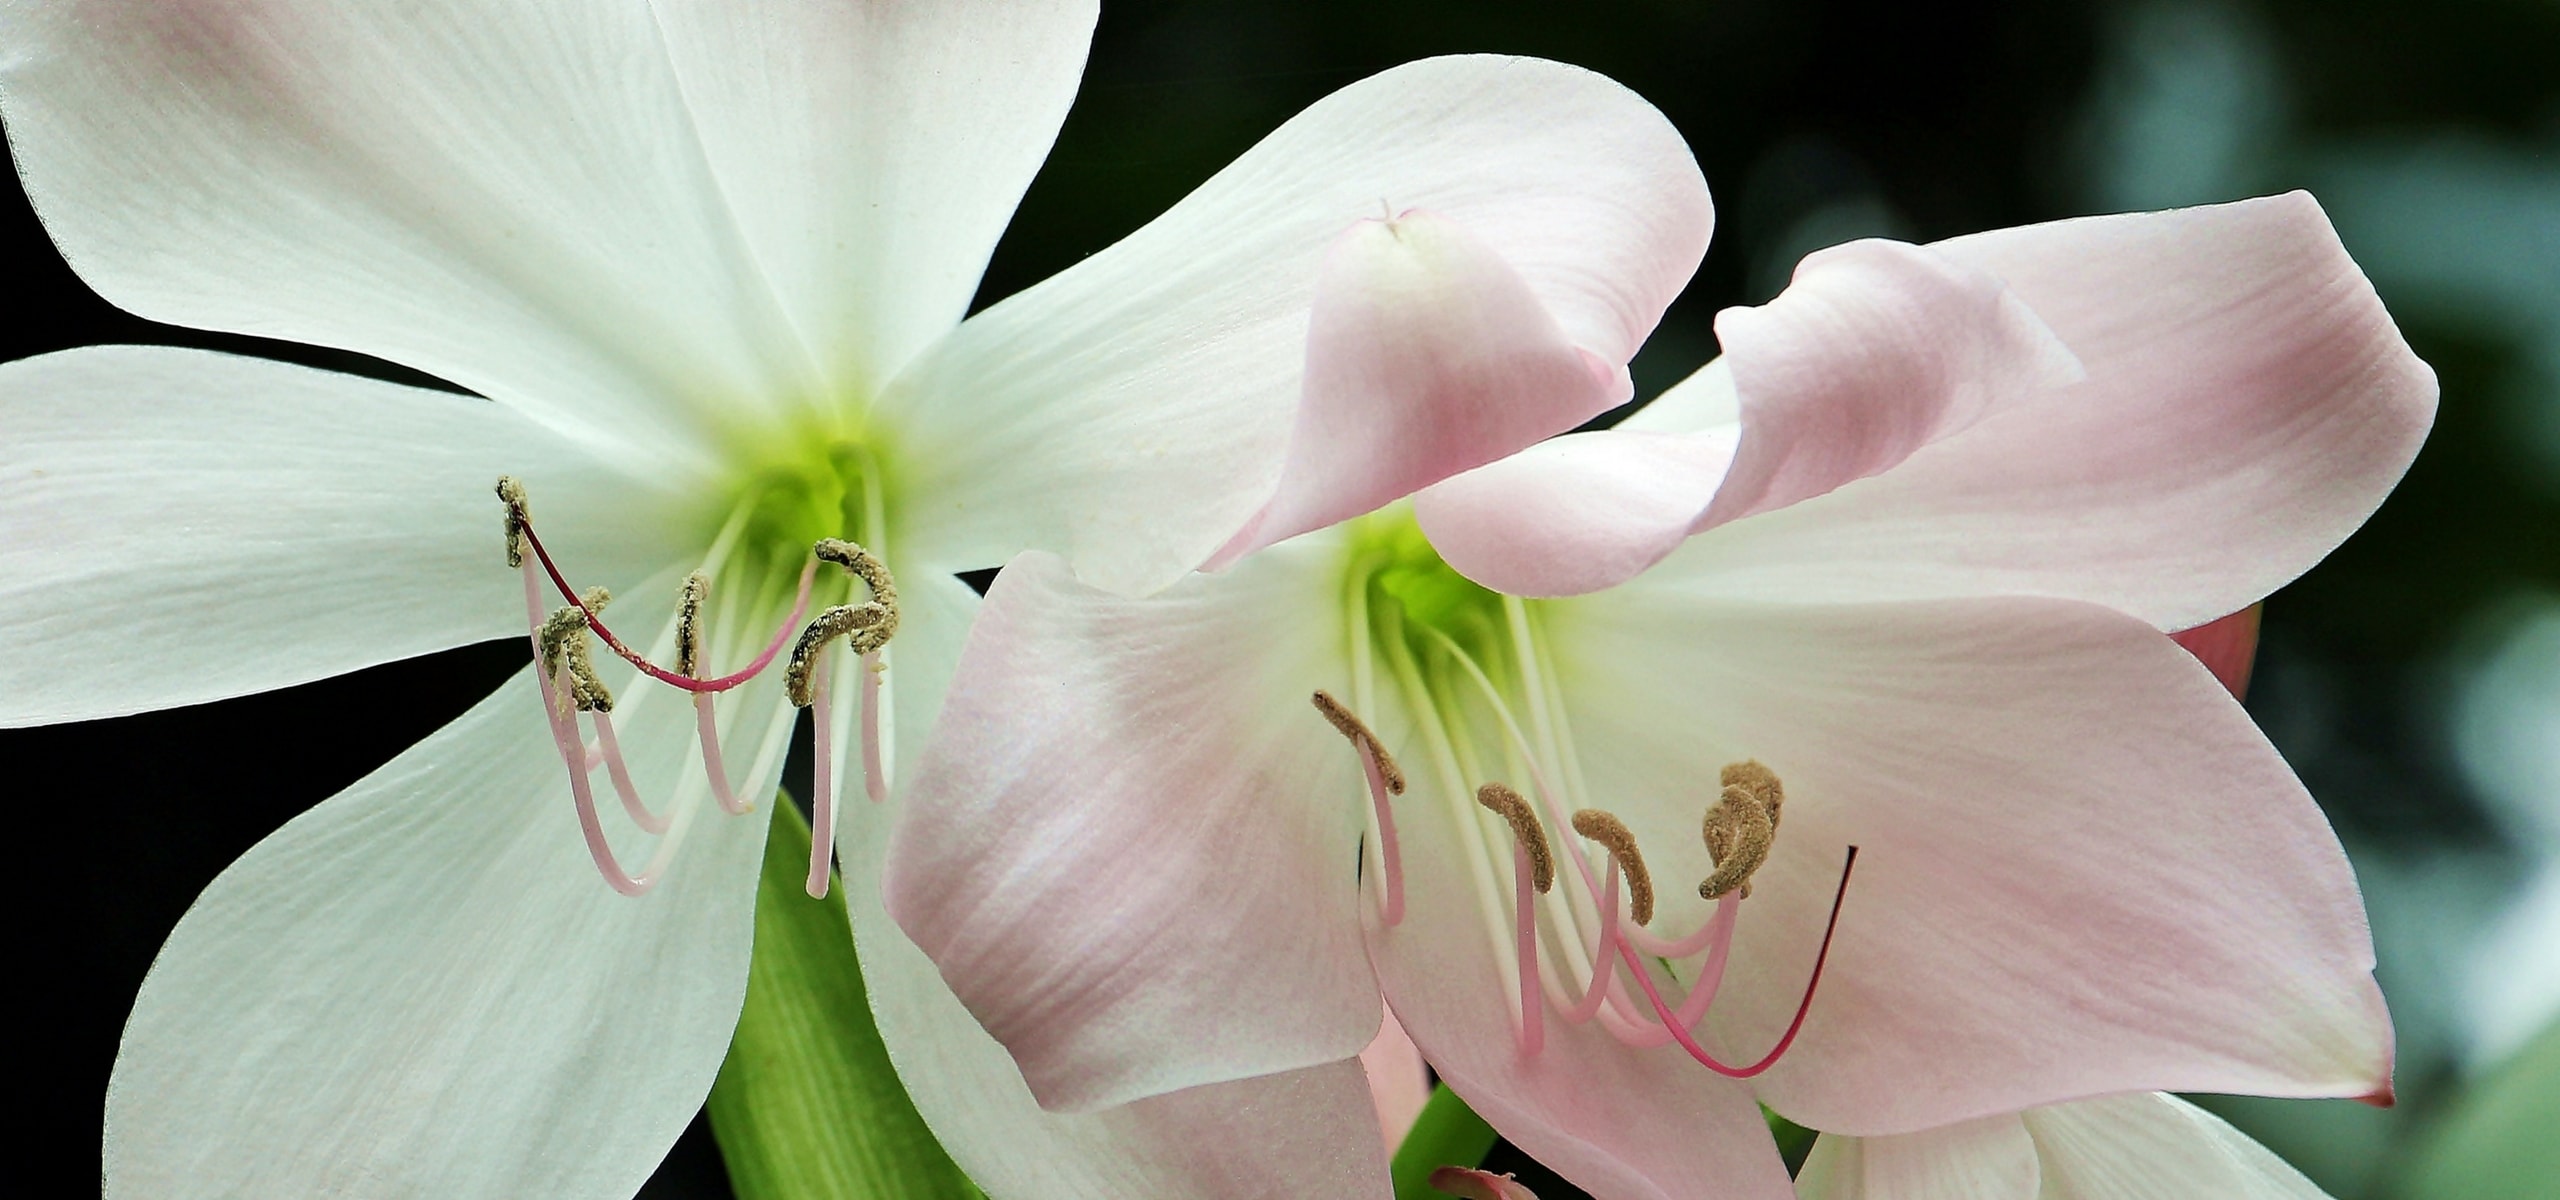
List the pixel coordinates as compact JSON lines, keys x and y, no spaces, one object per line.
{"x":708,"y":264}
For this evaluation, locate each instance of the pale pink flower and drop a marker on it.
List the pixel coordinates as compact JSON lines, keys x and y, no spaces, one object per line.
{"x":2131,"y":1147}
{"x":1911,"y":544}
{"x":708,"y":264}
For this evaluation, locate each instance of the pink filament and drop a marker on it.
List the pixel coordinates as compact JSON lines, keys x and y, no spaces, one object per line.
{"x":1601,"y":968}
{"x":712,"y":765}
{"x":822,"y":801}
{"x":1680,"y":1033}
{"x":875,"y":778}
{"x":799,"y":607}
{"x":583,"y":793}
{"x":1391,"y":861}
{"x":614,"y":766}
{"x":1533,"y":1013}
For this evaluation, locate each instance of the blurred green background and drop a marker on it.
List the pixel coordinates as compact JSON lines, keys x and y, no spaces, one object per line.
{"x":2413,"y":679}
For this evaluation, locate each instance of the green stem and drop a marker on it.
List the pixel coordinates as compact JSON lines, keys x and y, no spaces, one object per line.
{"x":1447,"y":1134}
{"x":807,"y":1106}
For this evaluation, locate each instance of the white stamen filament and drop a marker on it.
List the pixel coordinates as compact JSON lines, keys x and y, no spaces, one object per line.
{"x":822,"y":798}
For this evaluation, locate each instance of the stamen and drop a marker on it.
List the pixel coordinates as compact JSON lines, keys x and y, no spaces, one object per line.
{"x":1680,"y":1033}
{"x":1741,"y":826}
{"x":564,"y":649}
{"x":1606,"y":829}
{"x":610,"y":748}
{"x":866,"y":626}
{"x":511,"y":494}
{"x":1525,"y":830}
{"x":1597,"y":991}
{"x":1384,"y":777}
{"x":875,"y":775}
{"x":822,"y":799}
{"x":1533,"y":869}
{"x":707,"y":730}
{"x":1357,"y":730}
{"x":827,"y":626}
{"x":689,"y":623}
{"x":519,"y":523}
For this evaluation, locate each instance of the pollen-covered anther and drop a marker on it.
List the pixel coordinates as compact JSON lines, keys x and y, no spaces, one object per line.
{"x":1360,"y":736}
{"x":858,"y":620}
{"x":697,"y":587}
{"x":1741,"y":826}
{"x":564,"y":644}
{"x":866,"y":626}
{"x":1606,"y":829}
{"x":511,"y":494}
{"x":1525,"y":829}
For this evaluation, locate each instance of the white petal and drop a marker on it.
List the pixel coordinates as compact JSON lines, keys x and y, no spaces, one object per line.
{"x":509,"y":196}
{"x":1308,"y":1132}
{"x":422,"y":987}
{"x":1990,"y":1158}
{"x":2150,"y":1146}
{"x":872,"y":151}
{"x":184,"y":526}
{"x":2248,"y":403}
{"x":1136,"y":409}
{"x":2083,"y":869}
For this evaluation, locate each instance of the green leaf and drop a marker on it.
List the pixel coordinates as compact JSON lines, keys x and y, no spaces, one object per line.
{"x":2502,"y":1140}
{"x":1794,"y":1141}
{"x":807,"y":1106}
{"x":1447,"y":1134}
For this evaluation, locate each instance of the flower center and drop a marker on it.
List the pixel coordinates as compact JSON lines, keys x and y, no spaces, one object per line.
{"x":1477,"y":675}
{"x":778,"y":534}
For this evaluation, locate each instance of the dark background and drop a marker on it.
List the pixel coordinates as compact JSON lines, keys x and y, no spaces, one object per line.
{"x":2413,"y":679}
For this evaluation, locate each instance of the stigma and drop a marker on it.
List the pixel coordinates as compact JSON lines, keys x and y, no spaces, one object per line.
{"x":573,"y":692}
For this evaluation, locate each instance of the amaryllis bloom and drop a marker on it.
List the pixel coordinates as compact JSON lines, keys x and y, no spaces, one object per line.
{"x":1885,"y":585}
{"x":707,"y":264}
{"x":2142,"y":1145}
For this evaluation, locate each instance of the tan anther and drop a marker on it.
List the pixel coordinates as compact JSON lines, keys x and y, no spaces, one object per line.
{"x":1357,"y":731}
{"x":865,"y":627}
{"x":511,"y":493}
{"x":1760,"y":781}
{"x":1741,"y":826}
{"x":1608,"y":830}
{"x":1525,"y":829}
{"x":689,"y":623}
{"x":564,"y":638}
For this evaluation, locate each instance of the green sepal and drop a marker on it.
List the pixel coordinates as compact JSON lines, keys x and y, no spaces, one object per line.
{"x":1447,"y":1134}
{"x":807,"y":1106}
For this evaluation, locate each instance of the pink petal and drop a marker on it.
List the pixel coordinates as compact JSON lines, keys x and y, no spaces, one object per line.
{"x":1426,"y":355}
{"x":1576,"y":513}
{"x":1467,"y":1183}
{"x":1116,"y":846}
{"x":1136,"y":410}
{"x":1874,"y":350}
{"x":2228,"y":647}
{"x":2083,"y":869}
{"x":1616,"y":1122}
{"x":2139,"y":1146}
{"x":1399,"y":1082}
{"x":2248,"y":404}
{"x":1306,"y":1132}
